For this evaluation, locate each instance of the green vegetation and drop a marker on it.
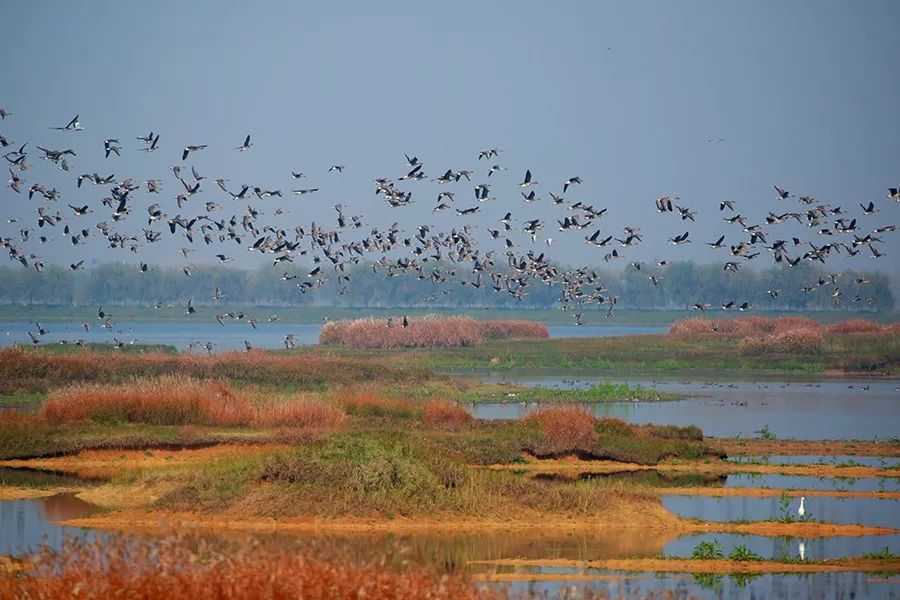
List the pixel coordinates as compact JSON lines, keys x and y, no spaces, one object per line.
{"x":766,"y":434}
{"x":884,"y":554}
{"x":742,"y":553}
{"x":708,"y":551}
{"x":654,"y":353}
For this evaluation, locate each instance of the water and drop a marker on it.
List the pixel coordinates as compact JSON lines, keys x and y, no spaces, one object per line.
{"x":664,"y":479}
{"x":813,"y":411}
{"x":815,"y":459}
{"x":822,"y":586}
{"x":25,"y":525}
{"x":788,"y":547}
{"x":226,"y":337}
{"x":866,"y":511}
{"x":806,"y":482}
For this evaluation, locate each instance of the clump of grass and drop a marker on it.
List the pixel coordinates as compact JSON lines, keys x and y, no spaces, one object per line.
{"x":167,"y":400}
{"x":299,"y":412}
{"x":565,"y":429}
{"x":187,"y":568}
{"x":512,"y":329}
{"x":742,"y":553}
{"x":708,"y":551}
{"x":884,"y":554}
{"x":369,"y":402}
{"x":430,"y":331}
{"x":179,"y":400}
{"x":446,"y":414}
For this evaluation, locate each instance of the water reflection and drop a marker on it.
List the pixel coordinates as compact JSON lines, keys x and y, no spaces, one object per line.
{"x":867,"y":511}
{"x":812,"y":411}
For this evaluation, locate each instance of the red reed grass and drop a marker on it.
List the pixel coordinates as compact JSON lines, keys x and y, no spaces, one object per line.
{"x":176,"y":568}
{"x":565,"y":428}
{"x":27,"y":369}
{"x":179,"y":400}
{"x":426,"y":332}
{"x":783,"y":328}
{"x":443,"y":413}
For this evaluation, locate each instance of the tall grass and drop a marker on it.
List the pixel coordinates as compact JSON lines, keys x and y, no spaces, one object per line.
{"x":786,"y":335}
{"x":753,"y":325}
{"x":180,"y":400}
{"x":33,"y":369}
{"x":565,"y":429}
{"x":181,"y":568}
{"x":429,"y":331}
{"x":446,"y":414}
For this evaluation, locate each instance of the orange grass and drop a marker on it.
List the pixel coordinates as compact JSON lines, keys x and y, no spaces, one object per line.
{"x":443,"y":413}
{"x":796,"y":326}
{"x":429,"y":331}
{"x":564,"y":428}
{"x":180,"y":400}
{"x":367,"y":401}
{"x":178,"y":568}
{"x":28,"y":369}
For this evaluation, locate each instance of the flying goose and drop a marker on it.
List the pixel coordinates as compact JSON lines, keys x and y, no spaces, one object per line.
{"x":246,"y":145}
{"x":189,"y":149}
{"x":527,"y":181}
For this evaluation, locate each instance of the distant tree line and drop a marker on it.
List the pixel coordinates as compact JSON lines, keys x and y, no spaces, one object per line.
{"x":804,"y":287}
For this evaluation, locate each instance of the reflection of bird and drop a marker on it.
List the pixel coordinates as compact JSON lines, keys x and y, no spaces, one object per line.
{"x":801,"y":548}
{"x":801,"y":511}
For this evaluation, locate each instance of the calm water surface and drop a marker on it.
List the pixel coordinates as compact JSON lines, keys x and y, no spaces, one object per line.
{"x":226,"y":337}
{"x":736,"y":408}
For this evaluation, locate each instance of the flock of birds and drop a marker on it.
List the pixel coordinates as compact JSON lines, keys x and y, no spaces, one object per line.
{"x":225,"y":218}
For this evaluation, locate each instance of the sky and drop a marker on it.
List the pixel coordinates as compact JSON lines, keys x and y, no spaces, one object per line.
{"x":633,"y":97}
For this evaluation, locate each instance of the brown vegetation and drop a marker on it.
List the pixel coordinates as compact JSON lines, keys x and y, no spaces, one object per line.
{"x":22,"y":369}
{"x":429,"y":331}
{"x":180,"y":400}
{"x":443,"y":413}
{"x":188,"y":568}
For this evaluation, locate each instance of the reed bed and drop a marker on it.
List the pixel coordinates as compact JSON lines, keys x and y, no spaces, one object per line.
{"x":565,"y":429}
{"x":785,"y":335}
{"x":430,"y":331}
{"x":188,"y":568}
{"x":180,"y":400}
{"x":446,"y":414}
{"x":747,"y":326}
{"x":36,"y":370}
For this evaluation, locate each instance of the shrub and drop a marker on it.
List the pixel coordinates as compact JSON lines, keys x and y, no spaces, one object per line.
{"x":565,"y":429}
{"x":443,"y":413}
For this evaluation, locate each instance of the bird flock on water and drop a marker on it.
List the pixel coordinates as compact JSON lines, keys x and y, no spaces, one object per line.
{"x":129,"y":217}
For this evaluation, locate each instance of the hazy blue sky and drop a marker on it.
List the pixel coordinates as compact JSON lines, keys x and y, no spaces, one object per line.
{"x":624,"y":94}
